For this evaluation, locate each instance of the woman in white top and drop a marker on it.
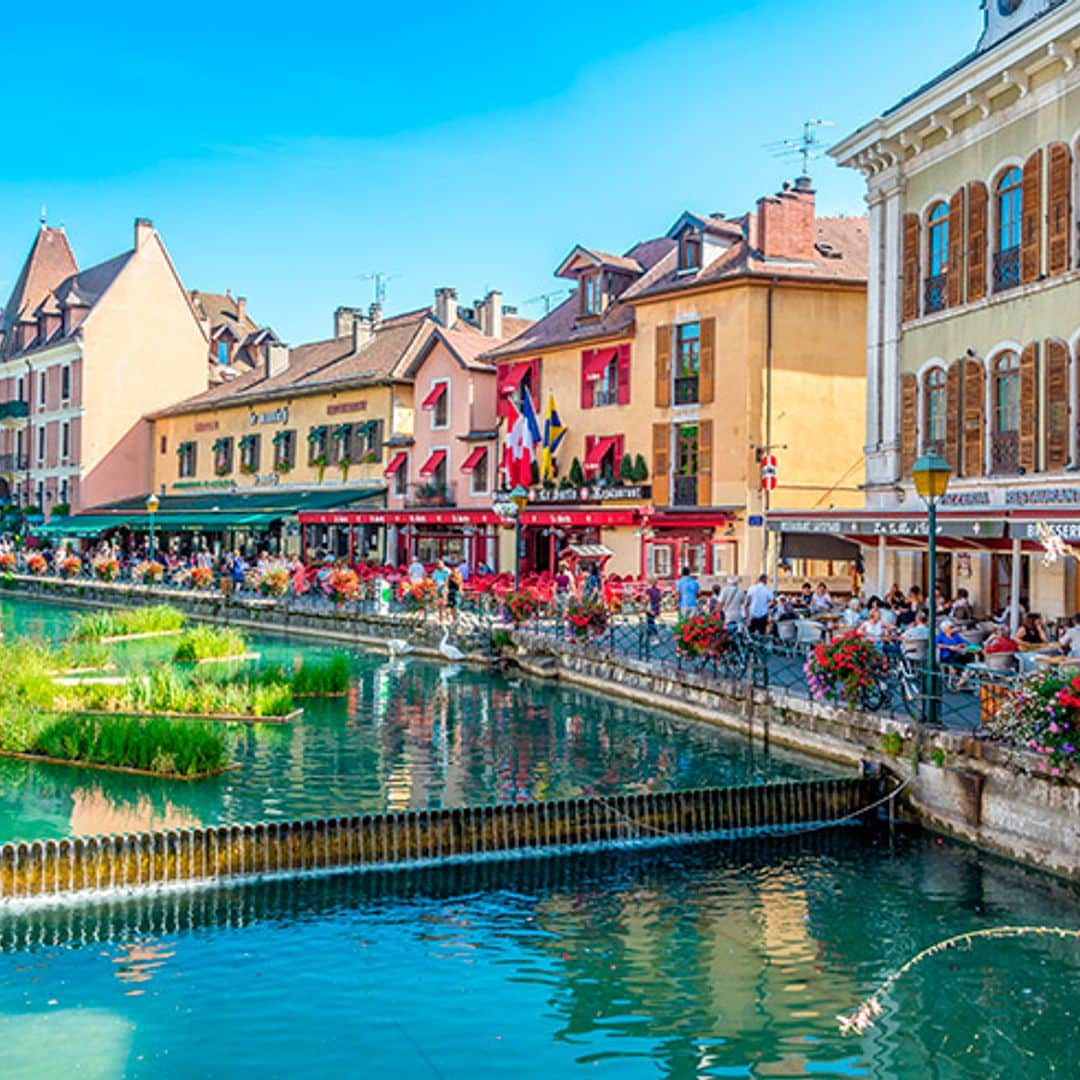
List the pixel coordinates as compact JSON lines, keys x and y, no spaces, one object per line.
{"x":873,"y":629}
{"x":820,"y":601}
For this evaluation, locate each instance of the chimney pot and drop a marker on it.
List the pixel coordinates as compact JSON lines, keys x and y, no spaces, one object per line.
{"x":375,"y":315}
{"x":491,"y":314}
{"x":277,"y":359}
{"x":241,"y":307}
{"x":144,"y":229}
{"x":446,"y":307}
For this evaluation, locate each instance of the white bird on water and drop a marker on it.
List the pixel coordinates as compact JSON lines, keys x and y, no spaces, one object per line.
{"x":397,"y":647}
{"x":451,"y":652}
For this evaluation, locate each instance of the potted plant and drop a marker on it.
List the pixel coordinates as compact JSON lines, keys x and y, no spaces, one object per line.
{"x":343,"y":585}
{"x":845,"y":670}
{"x":36,"y":564}
{"x":70,"y":567}
{"x":106,"y":568}
{"x":586,"y":619}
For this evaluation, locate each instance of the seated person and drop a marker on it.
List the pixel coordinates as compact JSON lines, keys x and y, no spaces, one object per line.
{"x":806,"y":595}
{"x":873,"y":629}
{"x":853,"y":613}
{"x":962,"y":609}
{"x":915,"y":639}
{"x":785,"y":610}
{"x":999,"y":642}
{"x":820,"y":601}
{"x":1070,"y":638}
{"x":951,"y":646}
{"x":1032,"y":632}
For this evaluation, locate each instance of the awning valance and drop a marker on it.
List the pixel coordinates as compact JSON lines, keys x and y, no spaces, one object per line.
{"x":512,"y":379}
{"x":430,"y":467}
{"x":473,"y":460}
{"x":817,"y":546}
{"x":396,"y":463}
{"x":594,"y":364}
{"x":435,"y":396}
{"x":599,"y":450}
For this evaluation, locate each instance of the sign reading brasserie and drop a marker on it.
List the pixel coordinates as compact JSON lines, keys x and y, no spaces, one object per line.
{"x":273,"y":416}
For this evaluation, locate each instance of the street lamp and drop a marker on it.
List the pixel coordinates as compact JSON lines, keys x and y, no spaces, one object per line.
{"x":931,"y":475}
{"x":520,"y":498}
{"x":152,"y":504}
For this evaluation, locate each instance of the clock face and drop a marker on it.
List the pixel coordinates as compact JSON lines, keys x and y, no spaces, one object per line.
{"x":1007,"y":7}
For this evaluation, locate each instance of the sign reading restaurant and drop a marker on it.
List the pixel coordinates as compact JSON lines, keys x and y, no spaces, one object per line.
{"x":592,"y":493}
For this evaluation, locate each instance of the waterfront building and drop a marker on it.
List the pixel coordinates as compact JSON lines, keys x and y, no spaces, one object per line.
{"x":681,"y":367}
{"x":84,"y":355}
{"x":974,"y":314}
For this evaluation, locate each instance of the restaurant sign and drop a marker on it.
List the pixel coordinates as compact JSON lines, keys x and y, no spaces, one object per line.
{"x":272,"y":416}
{"x":914,"y":527}
{"x":590,"y":493}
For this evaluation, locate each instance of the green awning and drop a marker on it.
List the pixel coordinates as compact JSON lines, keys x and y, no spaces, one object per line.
{"x":79,"y":525}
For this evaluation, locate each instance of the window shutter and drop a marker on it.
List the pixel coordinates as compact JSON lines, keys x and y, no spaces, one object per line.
{"x":909,"y":422}
{"x":976,"y":240}
{"x":911,"y":266}
{"x":586,"y":386}
{"x":623,"y":368}
{"x":589,"y":440}
{"x":704,"y":463}
{"x":955,"y":288}
{"x":1059,"y":208}
{"x":617,"y":452}
{"x":1031,"y":231}
{"x":1029,"y":407}
{"x":661,"y":465}
{"x":974,"y":456}
{"x":1057,"y":405}
{"x":707,"y":367}
{"x":534,"y":380}
{"x":952,"y":416}
{"x":663,"y":367}
{"x":502,"y":376}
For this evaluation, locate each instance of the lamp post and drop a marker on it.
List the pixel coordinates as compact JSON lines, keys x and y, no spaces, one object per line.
{"x":931,"y":476}
{"x":520,"y":498}
{"x":152,"y":504}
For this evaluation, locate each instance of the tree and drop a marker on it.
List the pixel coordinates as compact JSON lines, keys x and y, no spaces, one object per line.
{"x":626,"y":469}
{"x":641,"y":470}
{"x":577,"y":473}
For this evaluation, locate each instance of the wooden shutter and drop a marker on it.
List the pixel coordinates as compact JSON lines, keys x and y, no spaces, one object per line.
{"x":707,"y":366}
{"x":617,"y":452}
{"x":534,"y":381}
{"x":1031,"y":230}
{"x":1056,"y":354}
{"x":704,"y":463}
{"x":1029,"y":407}
{"x":586,"y":384}
{"x":972,"y":438}
{"x":663,"y":366}
{"x":1059,"y":208}
{"x":976,"y":240}
{"x":911,"y":266}
{"x":661,"y":464}
{"x":909,"y":422}
{"x":952,"y":415}
{"x":590,"y":441}
{"x":623,"y":369}
{"x":955,"y":288}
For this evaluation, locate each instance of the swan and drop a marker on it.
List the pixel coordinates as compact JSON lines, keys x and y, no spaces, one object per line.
{"x":451,"y":652}
{"x":398,"y":647}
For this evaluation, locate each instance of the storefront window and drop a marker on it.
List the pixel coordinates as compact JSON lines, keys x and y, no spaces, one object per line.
{"x":660,"y":559}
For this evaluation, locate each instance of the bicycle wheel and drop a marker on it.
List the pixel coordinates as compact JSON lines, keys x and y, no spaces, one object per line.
{"x":874,"y":697}
{"x":734,"y":660}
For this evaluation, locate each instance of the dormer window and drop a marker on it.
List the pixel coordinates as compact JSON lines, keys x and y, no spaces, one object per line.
{"x":592,"y":294}
{"x":690,"y":251}
{"x":223,"y":352}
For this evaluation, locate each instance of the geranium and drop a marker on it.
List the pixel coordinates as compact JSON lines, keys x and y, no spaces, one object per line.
{"x":7,"y":561}
{"x":36,"y":564}
{"x":702,"y":635}
{"x":198,"y":577}
{"x":586,"y":619}
{"x":418,"y":595}
{"x":522,"y":606}
{"x":273,"y":581}
{"x":845,"y":669}
{"x":1043,"y":714}
{"x":106,"y":568}
{"x":71,"y":566}
{"x":342,"y":585}
{"x":149,"y":573}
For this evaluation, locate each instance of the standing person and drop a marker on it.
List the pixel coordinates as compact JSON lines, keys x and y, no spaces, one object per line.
{"x":687,"y":589}
{"x":653,"y":600}
{"x":593,"y":584}
{"x":441,"y":576}
{"x":453,"y":590}
{"x":237,"y":570}
{"x":758,"y":601}
{"x":563,"y":585}
{"x":732,"y":601}
{"x":416,"y":569}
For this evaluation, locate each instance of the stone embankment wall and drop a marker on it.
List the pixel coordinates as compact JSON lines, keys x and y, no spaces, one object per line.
{"x":993,"y":796}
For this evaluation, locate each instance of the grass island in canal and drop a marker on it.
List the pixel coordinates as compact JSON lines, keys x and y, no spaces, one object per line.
{"x":730,"y":958}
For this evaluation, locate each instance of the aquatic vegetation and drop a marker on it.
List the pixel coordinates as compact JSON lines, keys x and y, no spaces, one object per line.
{"x":161,"y":618}
{"x":209,"y":643}
{"x":322,"y":678}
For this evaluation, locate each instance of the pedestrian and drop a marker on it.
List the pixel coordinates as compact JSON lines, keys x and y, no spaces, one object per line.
{"x":593,"y":584}
{"x":237,"y":569}
{"x":732,"y":601}
{"x":758,"y":602}
{"x":453,"y":590}
{"x":441,"y":576}
{"x":416,"y":570}
{"x":653,"y":599}
{"x":688,"y":589}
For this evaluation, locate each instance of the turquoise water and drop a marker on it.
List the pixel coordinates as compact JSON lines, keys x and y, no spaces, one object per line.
{"x":712,"y":961}
{"x":410,"y":734}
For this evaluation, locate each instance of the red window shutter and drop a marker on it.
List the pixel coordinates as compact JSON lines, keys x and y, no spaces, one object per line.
{"x":586,"y":384}
{"x":911,"y":266}
{"x":1031,"y":230}
{"x":589,"y":440}
{"x":976,"y":240}
{"x":617,"y":452}
{"x":955,"y":288}
{"x":534,"y":378}
{"x":624,"y":374}
{"x":502,"y":374}
{"x":1059,"y":208}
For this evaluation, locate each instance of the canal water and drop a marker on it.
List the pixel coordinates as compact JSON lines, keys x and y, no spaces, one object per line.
{"x":718,"y":960}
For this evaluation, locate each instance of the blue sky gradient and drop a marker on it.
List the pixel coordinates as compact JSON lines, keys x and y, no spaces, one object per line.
{"x":287,"y":150}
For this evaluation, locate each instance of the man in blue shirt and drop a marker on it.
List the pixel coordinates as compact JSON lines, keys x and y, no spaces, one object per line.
{"x":952,"y":648}
{"x":688,"y":589}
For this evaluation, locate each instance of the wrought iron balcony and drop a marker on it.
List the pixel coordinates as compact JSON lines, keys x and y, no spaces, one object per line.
{"x":1006,"y":269}
{"x":686,"y":390}
{"x":934,"y":294}
{"x":684,"y":491}
{"x":1005,"y":453}
{"x":430,"y":494}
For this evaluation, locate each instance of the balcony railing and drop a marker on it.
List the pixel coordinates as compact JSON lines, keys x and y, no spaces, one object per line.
{"x":1005,"y":453}
{"x":686,"y":390}
{"x":934,"y":293}
{"x":13,"y":463}
{"x":1006,"y":269}
{"x":684,"y":492}
{"x":430,"y":494}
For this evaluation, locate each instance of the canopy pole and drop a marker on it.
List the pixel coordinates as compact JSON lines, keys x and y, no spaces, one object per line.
{"x":1014,"y":588}
{"x":882,"y":549}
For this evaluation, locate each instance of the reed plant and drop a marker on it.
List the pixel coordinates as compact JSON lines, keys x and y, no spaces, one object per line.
{"x":209,"y":643}
{"x":159,"y":618}
{"x":322,"y":678}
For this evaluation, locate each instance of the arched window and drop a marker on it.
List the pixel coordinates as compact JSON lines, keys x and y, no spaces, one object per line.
{"x":1009,"y":196}
{"x":934,"y":409}
{"x":1006,"y":411}
{"x":938,"y":261}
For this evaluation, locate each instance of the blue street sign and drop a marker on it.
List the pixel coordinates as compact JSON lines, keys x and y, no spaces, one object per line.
{"x":755,"y":520}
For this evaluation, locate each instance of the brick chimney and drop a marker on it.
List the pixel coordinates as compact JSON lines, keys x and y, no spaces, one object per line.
{"x":786,"y":222}
{"x":144,"y":229}
{"x":446,"y":307}
{"x":490,"y":310}
{"x":241,"y":307}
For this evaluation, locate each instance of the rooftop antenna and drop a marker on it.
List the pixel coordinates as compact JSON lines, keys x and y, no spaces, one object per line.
{"x":381,"y":280}
{"x":547,"y":299}
{"x":44,"y":215}
{"x":808,"y":146}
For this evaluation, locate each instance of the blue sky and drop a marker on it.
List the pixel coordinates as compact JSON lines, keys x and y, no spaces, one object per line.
{"x":287,"y":150}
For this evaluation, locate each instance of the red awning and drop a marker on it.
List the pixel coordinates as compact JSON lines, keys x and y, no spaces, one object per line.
{"x":474,"y":459}
{"x":595,"y":458}
{"x":512,"y":379}
{"x":433,"y":462}
{"x":400,"y":517}
{"x":432,"y":399}
{"x":595,"y":365}
{"x":600,"y":518}
{"x":395,"y":463}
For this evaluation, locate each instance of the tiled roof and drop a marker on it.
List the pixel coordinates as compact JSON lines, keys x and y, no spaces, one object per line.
{"x":222,"y":309}
{"x":49,"y":262}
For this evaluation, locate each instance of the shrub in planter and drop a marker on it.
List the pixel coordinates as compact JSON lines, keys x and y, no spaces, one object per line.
{"x":149,"y":573}
{"x":418,"y":595}
{"x":274,"y":582}
{"x":8,"y":562}
{"x":845,"y":670}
